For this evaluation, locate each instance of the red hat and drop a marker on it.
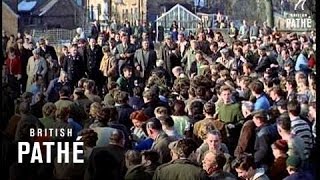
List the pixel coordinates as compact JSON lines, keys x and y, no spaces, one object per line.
{"x":281,"y":144}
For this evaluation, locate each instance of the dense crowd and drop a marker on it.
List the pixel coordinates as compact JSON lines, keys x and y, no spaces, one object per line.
{"x":203,"y":106}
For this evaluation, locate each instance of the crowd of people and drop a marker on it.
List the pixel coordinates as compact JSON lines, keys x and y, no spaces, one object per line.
{"x":192,"y":107}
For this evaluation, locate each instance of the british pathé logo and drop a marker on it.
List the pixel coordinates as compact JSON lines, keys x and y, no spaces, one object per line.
{"x":298,"y":21}
{"x":301,"y":3}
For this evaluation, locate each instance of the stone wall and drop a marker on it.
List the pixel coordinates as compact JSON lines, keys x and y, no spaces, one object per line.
{"x":9,"y":20}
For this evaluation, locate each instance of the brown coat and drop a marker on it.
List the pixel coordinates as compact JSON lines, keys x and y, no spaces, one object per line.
{"x":278,"y":169}
{"x":108,"y":65}
{"x":246,"y":139}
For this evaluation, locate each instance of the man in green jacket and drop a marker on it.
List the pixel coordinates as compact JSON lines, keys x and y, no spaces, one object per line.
{"x":180,"y":167}
{"x":229,"y":113}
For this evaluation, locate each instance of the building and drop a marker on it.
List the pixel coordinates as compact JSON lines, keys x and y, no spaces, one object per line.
{"x":47,"y":14}
{"x":10,"y":17}
{"x":130,"y":10}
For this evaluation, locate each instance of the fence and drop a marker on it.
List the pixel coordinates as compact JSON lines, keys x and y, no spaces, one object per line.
{"x":56,"y":36}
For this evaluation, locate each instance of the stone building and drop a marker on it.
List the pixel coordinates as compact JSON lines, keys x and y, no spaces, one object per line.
{"x":47,"y":14}
{"x":131,"y":10}
{"x":10,"y":17}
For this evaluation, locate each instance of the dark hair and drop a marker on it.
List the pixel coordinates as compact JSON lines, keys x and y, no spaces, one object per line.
{"x":121,"y":97}
{"x":196,"y":107}
{"x":154,"y":123}
{"x":294,"y":107}
{"x":116,"y":136}
{"x":65,"y":91}
{"x":137,"y":90}
{"x":220,"y":160}
{"x":257,"y":87}
{"x":292,"y":82}
{"x":151,"y":155}
{"x":209,"y":108}
{"x":284,"y":122}
{"x":166,"y":121}
{"x":179,"y":107}
{"x":89,"y":137}
{"x":185,"y":147}
{"x":133,"y":157}
{"x":244,"y":162}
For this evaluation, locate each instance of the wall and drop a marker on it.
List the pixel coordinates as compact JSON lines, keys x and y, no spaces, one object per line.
{"x":9,"y":20}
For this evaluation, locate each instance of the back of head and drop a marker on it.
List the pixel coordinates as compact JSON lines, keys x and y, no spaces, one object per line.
{"x":166,"y":121}
{"x":154,"y":124}
{"x":151,"y":155}
{"x":89,"y":137}
{"x":133,"y":158}
{"x":121,"y":97}
{"x":244,"y":162}
{"x":65,"y":91}
{"x":24,"y":108}
{"x":209,"y":108}
{"x":184,"y":147}
{"x":117,"y":137}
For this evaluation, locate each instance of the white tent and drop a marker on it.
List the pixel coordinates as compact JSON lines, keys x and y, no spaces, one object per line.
{"x":183,"y":16}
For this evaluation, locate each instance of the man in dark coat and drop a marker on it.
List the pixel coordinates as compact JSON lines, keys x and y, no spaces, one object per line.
{"x":74,"y":66}
{"x":24,"y":55}
{"x":109,"y":160}
{"x":161,"y":139}
{"x":145,"y":60}
{"x":169,"y":54}
{"x":124,"y":52}
{"x":46,"y":49}
{"x":265,"y":136}
{"x":136,"y":171}
{"x":263,"y":61}
{"x":95,"y":30}
{"x":181,"y":167}
{"x":94,"y":57}
{"x":123,"y":108}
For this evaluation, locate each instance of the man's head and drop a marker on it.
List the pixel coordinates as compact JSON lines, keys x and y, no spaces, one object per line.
{"x":259,"y":118}
{"x":283,"y":126}
{"x":209,"y":108}
{"x":256,"y":87}
{"x":213,"y":140}
{"x":182,"y":148}
{"x":225,"y":94}
{"x":145,"y":44}
{"x":244,"y":166}
{"x":124,"y":38}
{"x":276,"y":93}
{"x":74,"y":50}
{"x":294,"y":108}
{"x":127,"y":72}
{"x":154,"y":127}
{"x":132,"y":158}
{"x":92,"y":42}
{"x":213,"y":161}
{"x":117,"y":137}
{"x":149,"y":157}
{"x":181,"y":37}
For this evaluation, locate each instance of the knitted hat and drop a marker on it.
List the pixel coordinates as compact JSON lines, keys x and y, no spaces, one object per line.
{"x":281,"y":144}
{"x":293,"y":161}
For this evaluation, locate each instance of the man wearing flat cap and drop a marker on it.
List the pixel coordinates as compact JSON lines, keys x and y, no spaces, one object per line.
{"x":265,"y":135}
{"x":36,"y":65}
